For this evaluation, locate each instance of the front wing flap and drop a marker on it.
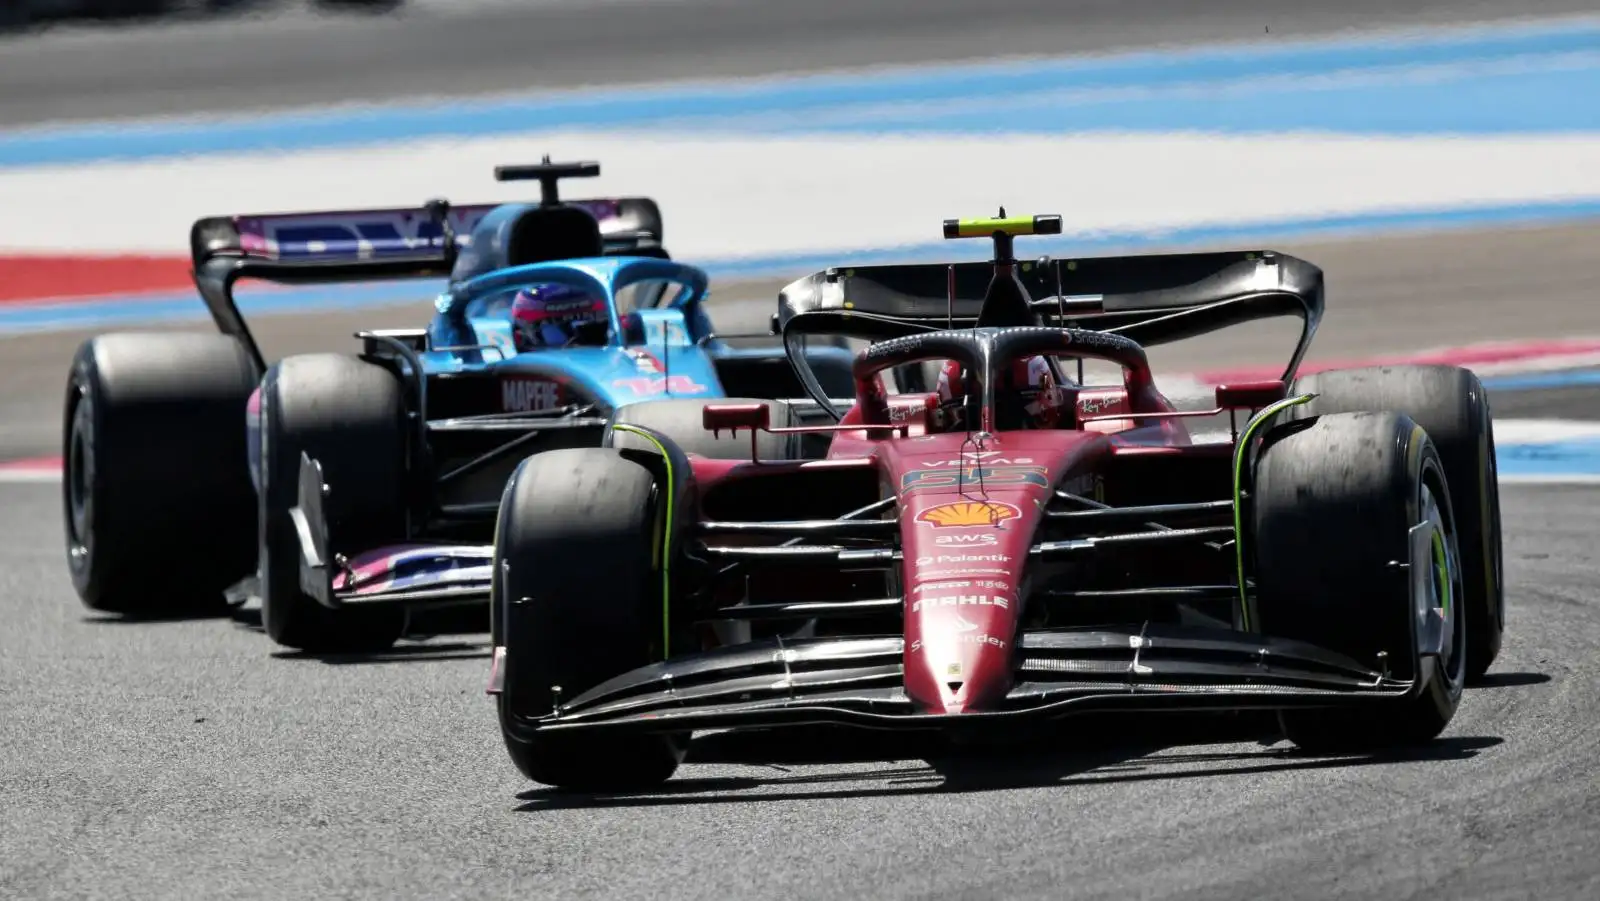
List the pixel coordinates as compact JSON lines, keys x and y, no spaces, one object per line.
{"x":410,"y":574}
{"x":858,"y":682}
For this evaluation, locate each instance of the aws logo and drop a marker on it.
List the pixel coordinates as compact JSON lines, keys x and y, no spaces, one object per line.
{"x":980,"y":539}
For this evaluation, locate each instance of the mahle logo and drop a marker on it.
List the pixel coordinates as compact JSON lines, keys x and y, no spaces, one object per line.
{"x":965,"y":514}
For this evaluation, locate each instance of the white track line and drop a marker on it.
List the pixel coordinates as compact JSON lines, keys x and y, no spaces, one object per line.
{"x":1555,"y":479}
{"x":719,"y":193}
{"x":20,"y":476}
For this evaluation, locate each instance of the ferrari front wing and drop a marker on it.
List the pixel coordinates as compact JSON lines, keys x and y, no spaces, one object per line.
{"x":859,"y":682}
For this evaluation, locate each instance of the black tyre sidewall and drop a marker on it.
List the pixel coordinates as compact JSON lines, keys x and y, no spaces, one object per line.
{"x":153,"y":453}
{"x":80,"y":489}
{"x":363,"y":460}
{"x":1324,"y":539}
{"x":1451,"y":404}
{"x":595,"y":614}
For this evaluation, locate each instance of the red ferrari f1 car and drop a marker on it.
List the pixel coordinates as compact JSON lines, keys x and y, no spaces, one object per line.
{"x":1017,"y":546}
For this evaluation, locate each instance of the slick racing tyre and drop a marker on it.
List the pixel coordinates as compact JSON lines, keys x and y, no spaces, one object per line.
{"x":348,"y":415}
{"x":1332,"y":505}
{"x":577,"y":601}
{"x":681,"y":420}
{"x":1452,"y":406}
{"x":156,"y":491}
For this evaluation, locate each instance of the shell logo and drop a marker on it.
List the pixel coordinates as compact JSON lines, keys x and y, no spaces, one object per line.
{"x":968,"y":513}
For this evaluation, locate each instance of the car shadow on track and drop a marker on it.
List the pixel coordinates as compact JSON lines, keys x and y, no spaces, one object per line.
{"x":400,"y":653}
{"x":1070,"y":756}
{"x":172,"y":615}
{"x":421,"y":644}
{"x":1508,"y":680}
{"x":178,"y":617}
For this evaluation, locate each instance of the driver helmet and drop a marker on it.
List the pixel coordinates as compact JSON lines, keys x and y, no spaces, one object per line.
{"x":1044,"y":404}
{"x":549,"y":315}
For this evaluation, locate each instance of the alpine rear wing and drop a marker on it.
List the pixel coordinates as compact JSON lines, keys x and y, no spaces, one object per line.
{"x":409,"y":242}
{"x":434,"y":231}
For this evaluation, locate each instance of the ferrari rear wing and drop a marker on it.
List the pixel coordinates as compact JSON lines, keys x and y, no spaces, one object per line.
{"x":1150,"y":298}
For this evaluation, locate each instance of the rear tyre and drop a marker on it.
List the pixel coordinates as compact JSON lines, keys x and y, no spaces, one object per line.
{"x":156,"y":491}
{"x":577,"y":601}
{"x":681,"y":420}
{"x":1452,"y":406}
{"x":1333,"y":502}
{"x":350,"y":416}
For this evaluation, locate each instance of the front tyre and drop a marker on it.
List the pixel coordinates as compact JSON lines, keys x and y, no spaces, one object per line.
{"x":349,"y":415}
{"x":577,"y":600}
{"x":1332,"y":506}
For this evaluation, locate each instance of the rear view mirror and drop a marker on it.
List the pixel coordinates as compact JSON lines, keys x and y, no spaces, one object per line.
{"x":1251,"y":395}
{"x":716,"y":417}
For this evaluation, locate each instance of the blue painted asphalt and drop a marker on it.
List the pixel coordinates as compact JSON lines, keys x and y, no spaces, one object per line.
{"x":181,"y":306}
{"x":1538,"y":78}
{"x":1552,"y":460}
{"x":1545,"y":381}
{"x":1548,"y":460}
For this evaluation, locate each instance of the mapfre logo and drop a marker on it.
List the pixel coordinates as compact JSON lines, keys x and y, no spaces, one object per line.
{"x":524,"y":395}
{"x":965,"y":514}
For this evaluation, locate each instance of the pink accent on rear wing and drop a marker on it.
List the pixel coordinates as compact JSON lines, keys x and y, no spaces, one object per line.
{"x":353,"y":235}
{"x":363,"y":234}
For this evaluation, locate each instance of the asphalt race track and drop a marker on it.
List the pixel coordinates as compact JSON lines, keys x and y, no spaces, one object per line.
{"x":192,"y":759}
{"x":453,"y":47}
{"x":191,"y":756}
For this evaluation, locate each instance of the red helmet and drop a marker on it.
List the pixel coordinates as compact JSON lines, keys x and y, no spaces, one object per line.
{"x":1030,"y":384}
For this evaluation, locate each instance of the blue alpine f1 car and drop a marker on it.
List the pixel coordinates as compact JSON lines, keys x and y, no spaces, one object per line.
{"x":348,"y":489}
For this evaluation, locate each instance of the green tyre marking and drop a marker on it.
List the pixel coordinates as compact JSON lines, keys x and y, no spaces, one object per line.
{"x":1240,"y":452}
{"x":666,"y":538}
{"x":1441,"y":571}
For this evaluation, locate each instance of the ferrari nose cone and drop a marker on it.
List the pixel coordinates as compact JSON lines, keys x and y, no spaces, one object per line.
{"x":959,"y":657}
